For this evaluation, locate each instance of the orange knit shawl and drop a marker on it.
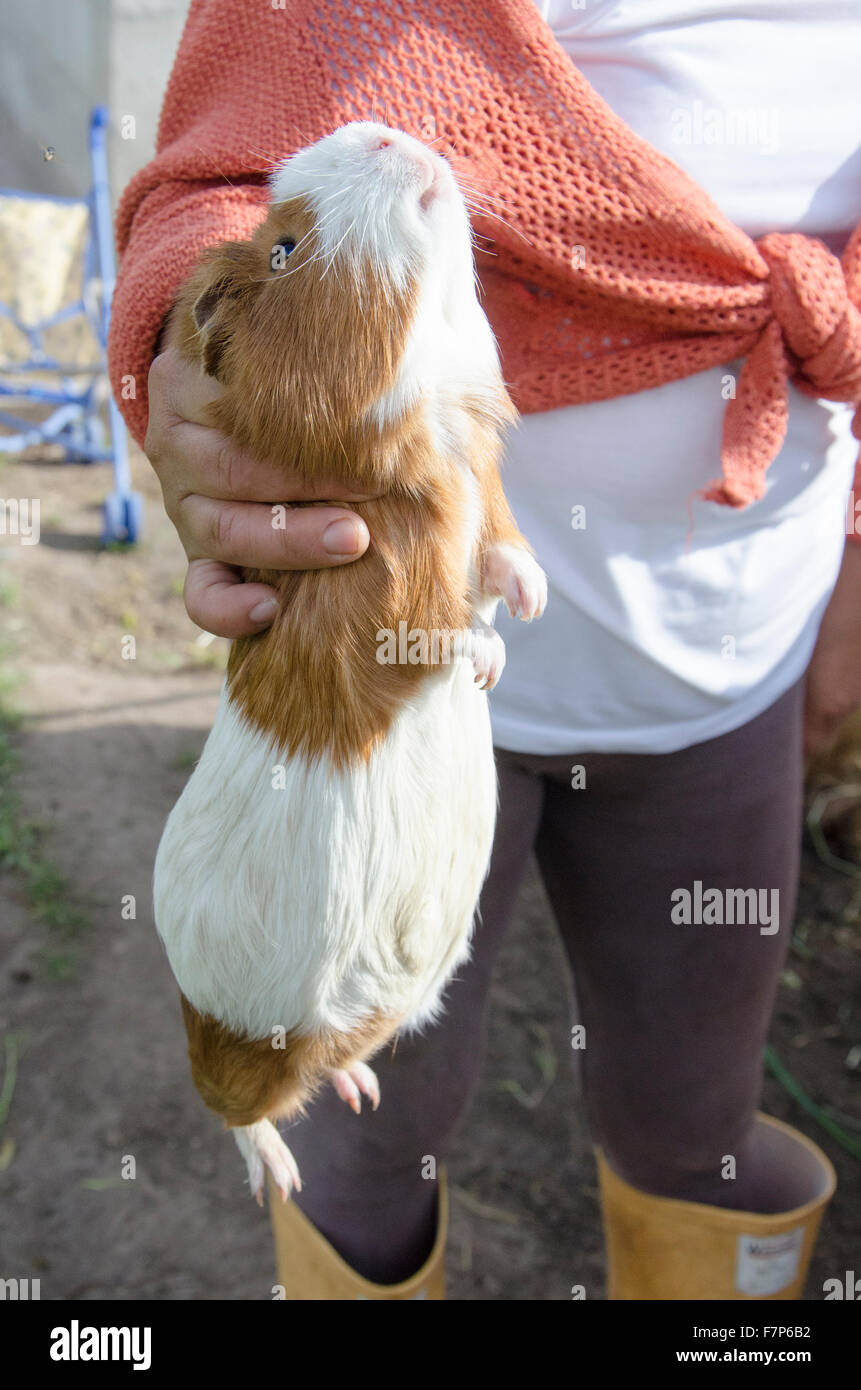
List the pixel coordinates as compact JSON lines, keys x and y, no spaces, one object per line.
{"x":612,"y":271}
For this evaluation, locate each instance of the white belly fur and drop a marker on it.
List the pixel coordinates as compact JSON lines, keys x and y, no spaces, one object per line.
{"x":311,"y":906}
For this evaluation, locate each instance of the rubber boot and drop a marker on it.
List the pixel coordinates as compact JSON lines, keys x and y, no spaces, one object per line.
{"x":310,"y":1268}
{"x":662,"y":1248}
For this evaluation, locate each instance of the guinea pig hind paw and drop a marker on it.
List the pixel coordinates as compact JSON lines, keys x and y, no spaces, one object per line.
{"x":355,"y":1081}
{"x":262,"y":1147}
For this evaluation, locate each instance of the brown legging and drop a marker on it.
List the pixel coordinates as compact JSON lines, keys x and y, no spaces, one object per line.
{"x":675,"y":1015}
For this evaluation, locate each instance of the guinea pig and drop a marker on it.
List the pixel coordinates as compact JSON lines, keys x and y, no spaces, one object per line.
{"x":316,"y":882}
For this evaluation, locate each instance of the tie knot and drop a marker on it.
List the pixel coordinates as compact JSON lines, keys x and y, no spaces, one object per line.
{"x":813,"y":336}
{"x":819,"y":324}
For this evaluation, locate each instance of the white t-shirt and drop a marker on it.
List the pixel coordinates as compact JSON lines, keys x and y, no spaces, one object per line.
{"x":671,"y":621}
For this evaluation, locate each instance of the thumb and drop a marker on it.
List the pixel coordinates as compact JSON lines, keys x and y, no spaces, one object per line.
{"x":219,"y":601}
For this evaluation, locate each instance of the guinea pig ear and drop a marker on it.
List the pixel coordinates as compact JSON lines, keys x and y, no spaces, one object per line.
{"x":205,"y":306}
{"x":211,"y":326}
{"x":231,"y":274}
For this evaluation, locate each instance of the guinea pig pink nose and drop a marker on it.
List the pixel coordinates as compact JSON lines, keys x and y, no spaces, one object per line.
{"x":412,"y":151}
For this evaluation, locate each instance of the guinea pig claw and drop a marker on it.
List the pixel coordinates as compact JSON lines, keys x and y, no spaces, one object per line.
{"x":487,"y":650}
{"x":511,"y":573}
{"x":262,"y":1147}
{"x":355,"y":1081}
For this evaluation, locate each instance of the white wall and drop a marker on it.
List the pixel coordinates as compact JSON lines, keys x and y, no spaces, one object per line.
{"x":143,"y":40}
{"x":58,"y":59}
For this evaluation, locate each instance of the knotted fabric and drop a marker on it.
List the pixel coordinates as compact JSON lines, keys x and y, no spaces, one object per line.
{"x":812,"y":335}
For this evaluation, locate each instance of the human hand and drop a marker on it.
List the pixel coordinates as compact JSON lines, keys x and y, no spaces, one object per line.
{"x":220,"y":501}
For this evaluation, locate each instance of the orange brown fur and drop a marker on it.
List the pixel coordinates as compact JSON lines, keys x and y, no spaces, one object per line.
{"x":498,"y":526}
{"x":246,"y":1080}
{"x":312,"y":680}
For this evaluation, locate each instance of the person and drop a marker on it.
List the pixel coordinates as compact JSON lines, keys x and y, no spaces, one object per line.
{"x":651,"y":730}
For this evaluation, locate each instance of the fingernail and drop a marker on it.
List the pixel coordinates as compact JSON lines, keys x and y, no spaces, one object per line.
{"x":343,"y":537}
{"x":265,"y":611}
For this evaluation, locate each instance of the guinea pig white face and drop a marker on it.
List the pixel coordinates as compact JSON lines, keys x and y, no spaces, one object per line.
{"x":382,"y":198}
{"x":352,"y":308}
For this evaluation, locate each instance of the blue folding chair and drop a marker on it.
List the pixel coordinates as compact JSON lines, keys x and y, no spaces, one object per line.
{"x":75,"y":422}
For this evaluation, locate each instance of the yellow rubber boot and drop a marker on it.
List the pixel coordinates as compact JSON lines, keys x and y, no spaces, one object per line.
{"x":662,"y":1248}
{"x":310,"y":1268}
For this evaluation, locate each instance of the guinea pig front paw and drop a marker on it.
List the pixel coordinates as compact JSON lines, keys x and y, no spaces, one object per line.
{"x":486,"y":649}
{"x":513,"y":575}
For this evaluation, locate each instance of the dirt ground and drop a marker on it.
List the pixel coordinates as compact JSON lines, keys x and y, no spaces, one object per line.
{"x":104,"y":750}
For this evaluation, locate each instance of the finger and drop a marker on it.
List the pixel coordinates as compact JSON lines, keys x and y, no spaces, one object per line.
{"x":180,"y":432}
{"x":215,"y":467}
{"x":178,"y":389}
{"x":245,"y":533}
{"x":218,"y":601}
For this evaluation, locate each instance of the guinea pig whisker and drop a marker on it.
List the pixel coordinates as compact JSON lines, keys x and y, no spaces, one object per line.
{"x":485,"y":212}
{"x":339,"y":192}
{"x":302,"y":136}
{"x":217,"y":167}
{"x":321,"y":253}
{"x":341,"y":442}
{"x":301,"y":242}
{"x":475,"y":196}
{"x":367,"y":223}
{"x":476,"y":204}
{"x":480,"y":192}
{"x":258,"y":154}
{"x":318,"y":255}
{"x":476,"y":200}
{"x":187,"y":342}
{"x":281,"y":274}
{"x":270,"y":159}
{"x":485,"y":250}
{"x":338,"y":247}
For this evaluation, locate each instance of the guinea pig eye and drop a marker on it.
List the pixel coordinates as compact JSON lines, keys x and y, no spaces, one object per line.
{"x":279,"y":253}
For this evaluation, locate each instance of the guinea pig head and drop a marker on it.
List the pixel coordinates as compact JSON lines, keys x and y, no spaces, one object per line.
{"x":350,"y":316}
